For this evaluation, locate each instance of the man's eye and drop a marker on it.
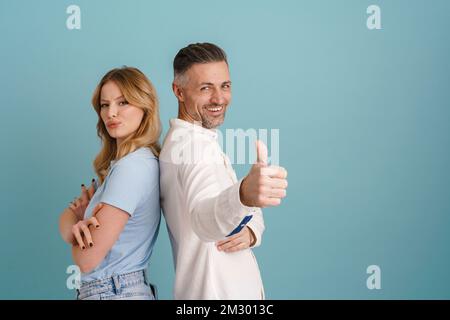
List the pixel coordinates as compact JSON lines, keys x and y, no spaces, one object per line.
{"x":226,"y":86}
{"x":204,"y":88}
{"x":123,"y":103}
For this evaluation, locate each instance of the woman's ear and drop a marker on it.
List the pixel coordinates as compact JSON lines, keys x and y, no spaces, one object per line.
{"x":178,"y":92}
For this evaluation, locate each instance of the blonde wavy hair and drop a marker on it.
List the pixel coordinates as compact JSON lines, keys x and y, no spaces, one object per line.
{"x":139,"y":92}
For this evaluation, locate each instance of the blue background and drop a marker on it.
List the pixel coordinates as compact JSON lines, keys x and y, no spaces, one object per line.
{"x":363,"y":118}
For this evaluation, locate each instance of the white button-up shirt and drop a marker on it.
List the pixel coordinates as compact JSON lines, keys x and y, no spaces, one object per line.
{"x":201,"y":205}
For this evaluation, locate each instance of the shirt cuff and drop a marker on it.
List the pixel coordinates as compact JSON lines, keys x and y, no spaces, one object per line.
{"x":253,"y":226}
{"x":230,"y":210}
{"x":235,"y":204}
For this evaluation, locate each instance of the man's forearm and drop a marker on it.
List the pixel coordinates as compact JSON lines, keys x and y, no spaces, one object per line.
{"x":213,"y":218}
{"x":66,"y":222}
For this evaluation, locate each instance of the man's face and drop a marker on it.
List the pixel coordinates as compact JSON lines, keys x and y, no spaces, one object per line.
{"x":205,"y":93}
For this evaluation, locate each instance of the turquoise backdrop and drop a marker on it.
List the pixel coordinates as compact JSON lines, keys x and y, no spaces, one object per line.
{"x":364,"y":120}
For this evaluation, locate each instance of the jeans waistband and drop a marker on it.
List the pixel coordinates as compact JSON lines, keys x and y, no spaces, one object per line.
{"x":115,"y":283}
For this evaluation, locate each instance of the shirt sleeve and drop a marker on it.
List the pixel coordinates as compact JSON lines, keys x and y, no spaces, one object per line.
{"x":130,"y":182}
{"x":257,"y":226}
{"x":214,"y":211}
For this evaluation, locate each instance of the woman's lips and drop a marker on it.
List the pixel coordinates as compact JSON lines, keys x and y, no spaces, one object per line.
{"x":113,"y":125}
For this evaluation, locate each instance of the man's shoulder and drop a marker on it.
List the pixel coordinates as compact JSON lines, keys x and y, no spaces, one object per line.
{"x":185,"y":143}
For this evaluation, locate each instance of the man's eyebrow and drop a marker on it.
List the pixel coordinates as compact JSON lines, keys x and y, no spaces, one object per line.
{"x":211,"y":84}
{"x":113,"y":99}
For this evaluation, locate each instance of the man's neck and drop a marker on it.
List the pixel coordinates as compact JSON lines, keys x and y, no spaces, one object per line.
{"x":185,"y":116}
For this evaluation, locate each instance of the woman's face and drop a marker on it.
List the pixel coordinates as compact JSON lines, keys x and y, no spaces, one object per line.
{"x":120,"y":118}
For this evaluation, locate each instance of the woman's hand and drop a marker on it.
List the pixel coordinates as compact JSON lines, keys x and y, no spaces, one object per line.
{"x":79,"y":205}
{"x":80,"y":230}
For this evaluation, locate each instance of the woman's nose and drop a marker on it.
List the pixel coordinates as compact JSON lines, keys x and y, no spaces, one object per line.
{"x":112,"y":111}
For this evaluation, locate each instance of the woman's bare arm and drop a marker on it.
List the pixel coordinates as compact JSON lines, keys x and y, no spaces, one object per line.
{"x":74,"y":213}
{"x":66,"y":221}
{"x":112,"y":221}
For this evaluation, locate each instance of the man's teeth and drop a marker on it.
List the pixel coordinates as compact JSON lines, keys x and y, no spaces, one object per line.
{"x":214,"y":109}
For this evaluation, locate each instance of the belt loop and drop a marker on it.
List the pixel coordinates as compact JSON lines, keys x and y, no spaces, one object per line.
{"x":116,"y":282}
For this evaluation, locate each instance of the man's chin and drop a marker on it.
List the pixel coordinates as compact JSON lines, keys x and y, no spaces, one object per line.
{"x":210,"y":125}
{"x":213,"y":123}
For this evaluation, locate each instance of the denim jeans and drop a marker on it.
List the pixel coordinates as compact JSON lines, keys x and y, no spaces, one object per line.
{"x":129,"y":286}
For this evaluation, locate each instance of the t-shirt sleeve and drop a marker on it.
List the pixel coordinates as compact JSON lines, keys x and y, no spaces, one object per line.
{"x":130,"y":182}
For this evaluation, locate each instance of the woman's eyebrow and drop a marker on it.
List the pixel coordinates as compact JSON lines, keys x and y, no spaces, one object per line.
{"x":113,"y":99}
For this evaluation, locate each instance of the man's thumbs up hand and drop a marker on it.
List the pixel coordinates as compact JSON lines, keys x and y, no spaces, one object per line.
{"x":264,"y":185}
{"x":261,"y":153}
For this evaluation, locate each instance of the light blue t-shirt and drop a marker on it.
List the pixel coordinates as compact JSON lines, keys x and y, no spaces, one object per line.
{"x":132,"y":185}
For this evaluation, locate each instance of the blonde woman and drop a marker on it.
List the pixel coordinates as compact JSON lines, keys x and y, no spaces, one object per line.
{"x":112,"y":228}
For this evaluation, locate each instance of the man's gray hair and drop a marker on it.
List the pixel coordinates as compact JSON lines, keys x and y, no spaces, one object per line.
{"x":195,"y":53}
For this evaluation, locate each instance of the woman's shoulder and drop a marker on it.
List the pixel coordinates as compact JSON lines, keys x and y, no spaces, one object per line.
{"x":140,"y":159}
{"x":142,"y":153}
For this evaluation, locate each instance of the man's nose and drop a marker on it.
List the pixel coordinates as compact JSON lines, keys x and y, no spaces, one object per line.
{"x":217,"y":97}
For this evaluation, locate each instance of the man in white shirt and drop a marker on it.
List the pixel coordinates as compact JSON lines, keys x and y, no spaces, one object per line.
{"x":214,"y":220}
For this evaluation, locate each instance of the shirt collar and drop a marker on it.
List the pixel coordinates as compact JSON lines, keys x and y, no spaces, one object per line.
{"x":174,"y":123}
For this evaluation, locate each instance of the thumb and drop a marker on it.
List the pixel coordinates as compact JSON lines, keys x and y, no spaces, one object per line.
{"x":261,"y":153}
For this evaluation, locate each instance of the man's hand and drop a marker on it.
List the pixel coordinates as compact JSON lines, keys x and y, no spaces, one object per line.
{"x":239,"y":241}
{"x":264,"y":185}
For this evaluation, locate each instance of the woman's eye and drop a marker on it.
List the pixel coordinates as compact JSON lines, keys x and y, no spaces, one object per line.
{"x":103,"y":105}
{"x":123,"y":103}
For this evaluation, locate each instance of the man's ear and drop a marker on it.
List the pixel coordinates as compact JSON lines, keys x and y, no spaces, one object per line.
{"x":178,"y":92}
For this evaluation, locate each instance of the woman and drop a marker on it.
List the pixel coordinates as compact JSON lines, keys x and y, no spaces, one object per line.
{"x":113,"y":228}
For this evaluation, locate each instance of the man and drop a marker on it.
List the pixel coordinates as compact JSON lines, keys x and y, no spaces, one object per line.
{"x":203,"y":202}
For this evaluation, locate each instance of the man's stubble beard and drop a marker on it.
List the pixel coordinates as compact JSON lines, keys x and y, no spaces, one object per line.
{"x":212,"y":123}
